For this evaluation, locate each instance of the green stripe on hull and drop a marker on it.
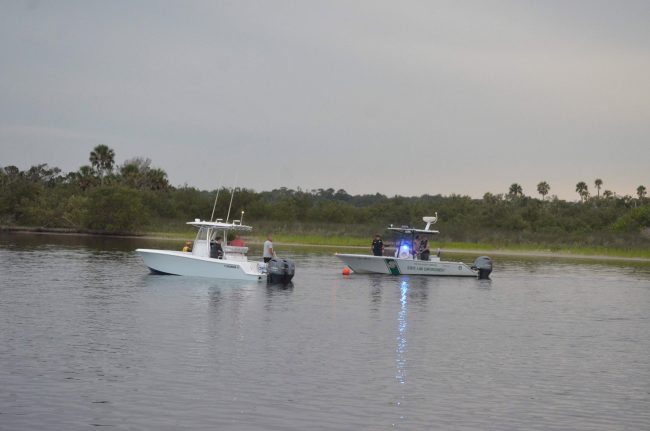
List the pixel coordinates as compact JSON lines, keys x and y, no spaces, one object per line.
{"x":392,"y":266}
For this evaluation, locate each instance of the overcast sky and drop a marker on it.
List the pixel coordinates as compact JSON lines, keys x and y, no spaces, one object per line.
{"x":395,"y":97}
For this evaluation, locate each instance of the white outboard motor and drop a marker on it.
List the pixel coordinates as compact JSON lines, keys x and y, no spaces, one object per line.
{"x":483,"y":265}
{"x":280,"y":270}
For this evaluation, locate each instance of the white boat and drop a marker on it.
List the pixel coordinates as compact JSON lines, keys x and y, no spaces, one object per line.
{"x":407,"y":261}
{"x":202,"y":261}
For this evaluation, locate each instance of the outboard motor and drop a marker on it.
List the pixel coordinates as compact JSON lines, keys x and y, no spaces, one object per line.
{"x":280,"y":270}
{"x":483,"y":265}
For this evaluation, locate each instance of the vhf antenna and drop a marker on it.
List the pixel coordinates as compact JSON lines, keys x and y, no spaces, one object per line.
{"x":232,"y":195}
{"x":215,"y":204}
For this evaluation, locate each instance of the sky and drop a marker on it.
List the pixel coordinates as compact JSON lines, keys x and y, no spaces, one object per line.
{"x":392,"y":97}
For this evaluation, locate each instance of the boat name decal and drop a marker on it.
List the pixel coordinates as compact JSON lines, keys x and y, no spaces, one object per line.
{"x":424,"y":268}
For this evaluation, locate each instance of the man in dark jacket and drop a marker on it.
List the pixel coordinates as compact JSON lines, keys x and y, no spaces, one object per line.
{"x":216,"y":251}
{"x":377,"y":246}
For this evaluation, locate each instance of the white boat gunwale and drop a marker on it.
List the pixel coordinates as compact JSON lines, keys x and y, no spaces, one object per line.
{"x":361,"y":263}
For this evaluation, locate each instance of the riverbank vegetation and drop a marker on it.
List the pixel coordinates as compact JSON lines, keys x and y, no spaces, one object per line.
{"x":134,"y":197}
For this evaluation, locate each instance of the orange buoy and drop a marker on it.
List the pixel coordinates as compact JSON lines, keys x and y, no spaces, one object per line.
{"x":346,"y":271}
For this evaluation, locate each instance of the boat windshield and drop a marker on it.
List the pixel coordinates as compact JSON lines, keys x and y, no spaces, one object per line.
{"x":411,"y":243}
{"x":203,"y":234}
{"x":208,"y":234}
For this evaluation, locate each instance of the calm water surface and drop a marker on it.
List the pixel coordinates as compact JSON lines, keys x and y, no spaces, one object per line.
{"x":88,"y":338}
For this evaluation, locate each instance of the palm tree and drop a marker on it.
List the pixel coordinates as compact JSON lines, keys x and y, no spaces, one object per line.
{"x":102,"y":159}
{"x":641,"y":192}
{"x":598,"y":184}
{"x":137,"y":173}
{"x":627,"y":200}
{"x":582,"y":190}
{"x":11,"y":173}
{"x":157,"y":179}
{"x":608,"y":194}
{"x":85,"y":177}
{"x":515,"y":190}
{"x":543,"y":188}
{"x":134,"y":172}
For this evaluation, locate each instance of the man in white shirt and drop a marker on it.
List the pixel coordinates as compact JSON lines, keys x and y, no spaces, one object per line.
{"x":268,"y":252}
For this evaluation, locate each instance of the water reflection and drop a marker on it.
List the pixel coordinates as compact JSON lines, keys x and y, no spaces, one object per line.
{"x":484,"y":284}
{"x":402,"y":326}
{"x":278,"y":292}
{"x":278,"y":289}
{"x":376,"y":291}
{"x":215,"y":295}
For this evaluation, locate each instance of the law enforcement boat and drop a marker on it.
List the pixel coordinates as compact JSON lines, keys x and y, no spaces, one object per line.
{"x":412,"y":257}
{"x":208,"y":259}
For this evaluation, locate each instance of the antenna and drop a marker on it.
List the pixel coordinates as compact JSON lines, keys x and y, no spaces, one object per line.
{"x":215,"y":204}
{"x":216,"y":197}
{"x":232,"y":195}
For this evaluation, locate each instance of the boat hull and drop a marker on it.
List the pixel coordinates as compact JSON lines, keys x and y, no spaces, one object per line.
{"x":361,"y":263}
{"x":182,"y":263}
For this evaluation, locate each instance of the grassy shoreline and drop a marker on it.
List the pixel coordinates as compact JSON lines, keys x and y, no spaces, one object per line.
{"x":532,"y":250}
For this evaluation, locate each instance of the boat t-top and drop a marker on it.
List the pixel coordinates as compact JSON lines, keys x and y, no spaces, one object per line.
{"x":208,"y":258}
{"x":412,"y":257}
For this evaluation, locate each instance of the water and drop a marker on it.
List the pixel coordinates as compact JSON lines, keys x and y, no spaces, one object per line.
{"x":88,"y":338}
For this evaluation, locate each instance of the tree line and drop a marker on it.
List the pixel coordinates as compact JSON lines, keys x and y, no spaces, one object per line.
{"x":105,"y":197}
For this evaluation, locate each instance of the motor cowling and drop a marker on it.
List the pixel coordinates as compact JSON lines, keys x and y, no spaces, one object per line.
{"x":280,"y":270}
{"x":483,"y":265}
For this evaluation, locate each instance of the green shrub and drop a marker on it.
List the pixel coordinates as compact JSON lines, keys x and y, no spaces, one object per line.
{"x":114,"y":209}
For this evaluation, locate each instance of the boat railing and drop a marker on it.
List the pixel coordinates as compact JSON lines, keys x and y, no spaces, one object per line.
{"x":232,"y":252}
{"x":235,"y":249}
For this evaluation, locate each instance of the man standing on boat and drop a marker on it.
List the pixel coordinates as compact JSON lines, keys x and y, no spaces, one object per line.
{"x":377,"y":246}
{"x":216,"y":251}
{"x":268,"y":252}
{"x":237,"y":242}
